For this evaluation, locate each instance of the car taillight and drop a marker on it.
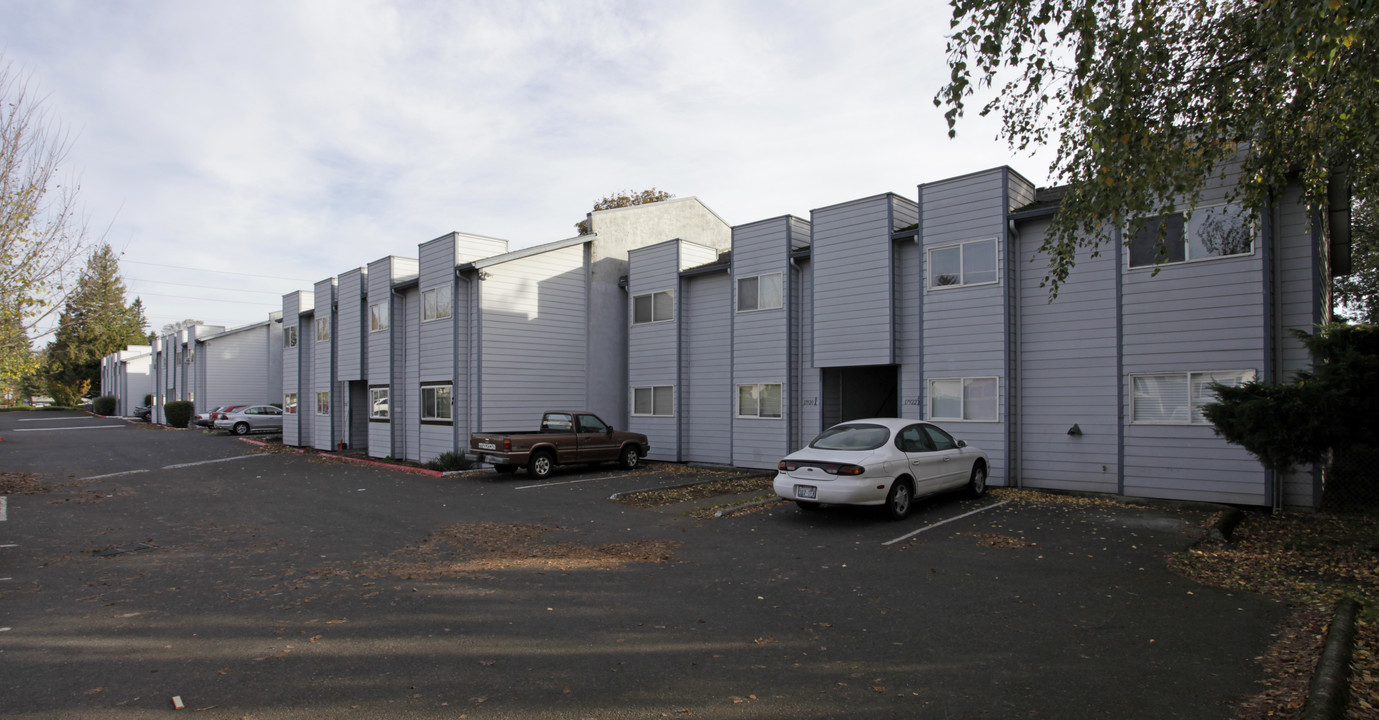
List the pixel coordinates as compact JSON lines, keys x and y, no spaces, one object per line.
{"x":849,"y":470}
{"x":507,"y":446}
{"x":787,"y":466}
{"x":830,"y":468}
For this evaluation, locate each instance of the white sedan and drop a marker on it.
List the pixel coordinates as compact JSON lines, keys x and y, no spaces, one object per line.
{"x":880,"y":461}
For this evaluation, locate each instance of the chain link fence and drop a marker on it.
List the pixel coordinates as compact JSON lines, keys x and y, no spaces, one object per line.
{"x":1350,"y":481}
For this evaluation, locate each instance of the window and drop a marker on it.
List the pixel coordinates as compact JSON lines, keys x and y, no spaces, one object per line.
{"x":760,"y":401}
{"x":969,"y":263}
{"x":963,"y":399}
{"x":653,"y":307}
{"x":290,"y":402}
{"x":290,"y":336}
{"x":1178,"y":398}
{"x":323,"y":403}
{"x":322,"y":329}
{"x":378,"y":317}
{"x":762,"y":292}
{"x":378,"y":403}
{"x":435,"y":304}
{"x":658,"y":400}
{"x":435,"y":402}
{"x":1212,"y":232}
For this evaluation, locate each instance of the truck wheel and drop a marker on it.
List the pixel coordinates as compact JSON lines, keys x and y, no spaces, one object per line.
{"x":541,"y":465}
{"x":505,"y":469}
{"x":629,"y":458}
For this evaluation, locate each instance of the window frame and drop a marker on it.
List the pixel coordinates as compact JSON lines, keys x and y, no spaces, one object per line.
{"x":654,"y":405}
{"x":387,"y":404}
{"x":379,"y":321}
{"x":961,"y":248}
{"x":651,"y":297}
{"x":290,"y":403}
{"x":963,"y":384}
{"x":323,"y":329}
{"x":1193,"y":400}
{"x":1187,"y":237}
{"x":759,"y":390}
{"x":437,"y":314}
{"x":433,"y":389}
{"x":289,"y":336}
{"x":737,"y":287}
{"x":323,"y":402}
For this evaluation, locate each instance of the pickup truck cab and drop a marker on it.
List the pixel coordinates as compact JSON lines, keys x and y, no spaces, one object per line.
{"x":565,"y":437}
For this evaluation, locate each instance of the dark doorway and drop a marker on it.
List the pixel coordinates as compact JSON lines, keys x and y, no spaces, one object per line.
{"x":851,"y":393}
{"x":357,"y":435}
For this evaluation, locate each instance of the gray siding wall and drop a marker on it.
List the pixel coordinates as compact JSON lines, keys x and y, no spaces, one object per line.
{"x":706,"y":401}
{"x":1297,"y":287}
{"x":1067,"y":357}
{"x":761,"y":342}
{"x":653,"y":349}
{"x":352,"y":324}
{"x":237,"y":367}
{"x":384,"y":369}
{"x":406,"y":358}
{"x":292,"y":364}
{"x":908,"y":282}
{"x":533,"y":347}
{"x":853,"y":320}
{"x":808,"y":394}
{"x":323,"y":368}
{"x":1205,"y":315}
{"x":437,"y":339}
{"x":965,"y":326}
{"x":306,"y":406}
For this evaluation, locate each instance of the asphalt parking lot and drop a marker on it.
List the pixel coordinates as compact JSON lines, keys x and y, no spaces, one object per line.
{"x":170,"y":564}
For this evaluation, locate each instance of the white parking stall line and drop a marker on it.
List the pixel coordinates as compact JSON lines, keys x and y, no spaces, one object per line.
{"x":114,"y":474}
{"x":56,"y":419}
{"x":567,"y":482}
{"x":55,"y":429}
{"x":909,"y":535}
{"x":217,"y":460}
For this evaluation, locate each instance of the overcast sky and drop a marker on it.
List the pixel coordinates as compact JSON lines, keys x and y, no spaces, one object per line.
{"x":237,"y":151}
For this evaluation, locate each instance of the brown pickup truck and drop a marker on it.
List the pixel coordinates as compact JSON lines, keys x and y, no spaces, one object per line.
{"x":565,"y":437}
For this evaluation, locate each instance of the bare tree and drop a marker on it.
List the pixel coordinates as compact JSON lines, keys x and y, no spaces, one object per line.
{"x":43,"y":237}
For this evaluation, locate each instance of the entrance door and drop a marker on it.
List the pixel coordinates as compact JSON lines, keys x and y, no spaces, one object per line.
{"x":853,"y":393}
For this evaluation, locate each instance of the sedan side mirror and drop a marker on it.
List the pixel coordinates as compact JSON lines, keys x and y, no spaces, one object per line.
{"x":962,"y":443}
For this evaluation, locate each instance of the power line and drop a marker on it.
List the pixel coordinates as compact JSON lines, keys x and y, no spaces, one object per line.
{"x":222,"y":272}
{"x":219,"y":300}
{"x":205,"y":287}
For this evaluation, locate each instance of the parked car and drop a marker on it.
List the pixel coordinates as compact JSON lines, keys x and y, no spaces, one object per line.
{"x":880,"y":461}
{"x":564,"y":437}
{"x":249,"y":418}
{"x":221,"y":411}
{"x":143,"y":412}
{"x":206,"y":419}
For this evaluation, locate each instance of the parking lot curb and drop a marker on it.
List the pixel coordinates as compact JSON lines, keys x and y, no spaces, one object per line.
{"x":362,"y":461}
{"x":1329,"y":693}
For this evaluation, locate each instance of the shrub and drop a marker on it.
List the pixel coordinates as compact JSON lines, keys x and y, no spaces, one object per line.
{"x":446,"y":462}
{"x":178,"y":413}
{"x":148,"y":400}
{"x":103,"y":405}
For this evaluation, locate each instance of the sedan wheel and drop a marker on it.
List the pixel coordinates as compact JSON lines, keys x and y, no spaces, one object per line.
{"x":976,"y":486}
{"x":898,"y":501}
{"x":241,"y":428}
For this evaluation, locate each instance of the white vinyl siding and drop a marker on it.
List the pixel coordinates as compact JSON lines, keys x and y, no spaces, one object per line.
{"x":762,"y":292}
{"x":969,"y":263}
{"x":655,"y":401}
{"x":435,"y":402}
{"x":435,"y":304}
{"x":760,"y":400}
{"x":1177,"y":398}
{"x":653,"y":307}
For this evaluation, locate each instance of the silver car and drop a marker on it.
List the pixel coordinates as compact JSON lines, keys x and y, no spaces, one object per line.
{"x":247,"y":419}
{"x":880,"y":461}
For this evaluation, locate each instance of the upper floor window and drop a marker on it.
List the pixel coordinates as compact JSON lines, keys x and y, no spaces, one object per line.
{"x":969,"y":263}
{"x":378,"y":316}
{"x":322,"y":329}
{"x":435,"y":304}
{"x":1212,"y":232}
{"x":968,"y":398}
{"x":290,"y":336}
{"x":761,"y":292}
{"x":1178,"y":398}
{"x":653,"y":307}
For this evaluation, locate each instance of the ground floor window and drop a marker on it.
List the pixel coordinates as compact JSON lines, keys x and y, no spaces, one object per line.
{"x":435,"y":402}
{"x":323,"y":403}
{"x":963,"y":398}
{"x":762,"y":400}
{"x":378,"y":403}
{"x":289,"y":403}
{"x":656,"y":400}
{"x":1177,"y":398}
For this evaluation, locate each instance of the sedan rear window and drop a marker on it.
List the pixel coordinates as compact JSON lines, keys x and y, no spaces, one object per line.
{"x":852,"y":437}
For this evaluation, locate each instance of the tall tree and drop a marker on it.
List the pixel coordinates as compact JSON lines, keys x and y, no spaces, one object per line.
{"x":624,"y":198}
{"x":42,"y":237}
{"x":95,"y":322}
{"x":1149,"y":100}
{"x":1357,"y":294}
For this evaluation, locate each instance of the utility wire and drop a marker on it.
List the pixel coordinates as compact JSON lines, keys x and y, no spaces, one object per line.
{"x":223,"y":272}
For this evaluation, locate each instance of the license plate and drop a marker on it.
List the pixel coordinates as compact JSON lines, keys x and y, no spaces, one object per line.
{"x":807,"y":492}
{"x":487,"y":446}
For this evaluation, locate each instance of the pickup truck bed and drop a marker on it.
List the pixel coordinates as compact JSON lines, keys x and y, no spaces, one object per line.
{"x":565,"y":437}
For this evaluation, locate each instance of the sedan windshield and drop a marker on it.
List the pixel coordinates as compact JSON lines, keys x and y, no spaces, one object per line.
{"x":852,"y":437}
